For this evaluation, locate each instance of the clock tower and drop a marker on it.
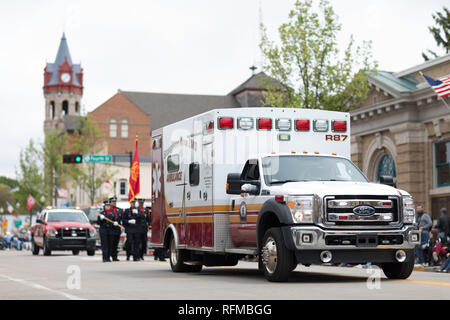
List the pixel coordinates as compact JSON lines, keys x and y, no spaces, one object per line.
{"x":63,"y":88}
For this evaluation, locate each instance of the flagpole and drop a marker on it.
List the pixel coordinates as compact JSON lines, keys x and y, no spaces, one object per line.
{"x":443,"y":100}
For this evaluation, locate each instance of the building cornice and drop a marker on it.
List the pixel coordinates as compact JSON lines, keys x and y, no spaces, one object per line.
{"x":423,"y":66}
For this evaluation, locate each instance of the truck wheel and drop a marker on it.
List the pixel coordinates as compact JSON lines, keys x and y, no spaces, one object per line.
{"x":398,"y":270}
{"x":47,"y":251}
{"x":277,"y":260}
{"x":177,"y":257}
{"x":91,"y":252}
{"x":75,"y":252}
{"x":34,"y":248}
{"x":194,"y":268}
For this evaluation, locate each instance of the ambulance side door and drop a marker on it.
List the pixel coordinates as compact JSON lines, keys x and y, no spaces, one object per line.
{"x":247,"y":206}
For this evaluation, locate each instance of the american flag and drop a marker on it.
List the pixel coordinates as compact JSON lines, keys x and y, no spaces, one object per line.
{"x":440,"y":86}
{"x":10,"y":207}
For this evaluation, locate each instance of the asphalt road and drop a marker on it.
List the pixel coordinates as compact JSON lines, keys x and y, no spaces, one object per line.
{"x":64,"y":276}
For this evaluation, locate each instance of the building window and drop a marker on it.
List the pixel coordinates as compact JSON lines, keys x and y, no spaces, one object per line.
{"x":375,"y":99}
{"x":113,"y":128}
{"x":123,"y":188}
{"x":52,"y":110}
{"x":124,"y":129}
{"x":386,"y":167}
{"x":65,"y":108}
{"x":443,"y":163}
{"x":77,"y":107}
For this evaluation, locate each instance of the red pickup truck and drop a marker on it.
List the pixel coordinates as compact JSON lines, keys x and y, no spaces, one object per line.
{"x":63,"y":229}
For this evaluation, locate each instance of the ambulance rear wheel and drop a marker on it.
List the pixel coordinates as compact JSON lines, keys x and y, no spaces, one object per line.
{"x":177,"y":257}
{"x":277,"y":260}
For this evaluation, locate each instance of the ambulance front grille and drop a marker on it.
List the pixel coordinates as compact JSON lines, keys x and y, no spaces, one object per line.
{"x":373,"y":210}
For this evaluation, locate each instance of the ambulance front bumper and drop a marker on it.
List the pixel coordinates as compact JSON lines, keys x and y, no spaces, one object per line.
{"x":316,"y":238}
{"x":314,"y":245}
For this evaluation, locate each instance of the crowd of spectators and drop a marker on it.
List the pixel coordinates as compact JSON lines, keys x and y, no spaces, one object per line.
{"x":434,"y":247}
{"x":18,"y":239}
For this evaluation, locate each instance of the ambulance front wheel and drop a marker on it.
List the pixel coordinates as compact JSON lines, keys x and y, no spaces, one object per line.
{"x":177,"y":257}
{"x":277,"y":260}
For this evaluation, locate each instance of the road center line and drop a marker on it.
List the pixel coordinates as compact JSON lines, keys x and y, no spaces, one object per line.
{"x":41,"y":287}
{"x":427,"y":282}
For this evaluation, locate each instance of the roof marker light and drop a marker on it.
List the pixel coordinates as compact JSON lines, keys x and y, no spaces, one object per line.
{"x":293,"y":151}
{"x":334,"y":153}
{"x":339,"y":126}
{"x":283,"y":124}
{"x":320,"y":125}
{"x":305,"y":152}
{"x":316,"y":152}
{"x":245,"y":123}
{"x":226,"y":123}
{"x":302,"y":125}
{"x":265,"y":124}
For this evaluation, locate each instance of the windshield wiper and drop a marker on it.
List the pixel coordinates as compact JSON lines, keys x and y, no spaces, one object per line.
{"x":285,"y":181}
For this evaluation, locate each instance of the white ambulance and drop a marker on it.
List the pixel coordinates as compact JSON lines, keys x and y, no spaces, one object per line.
{"x":275,"y":183}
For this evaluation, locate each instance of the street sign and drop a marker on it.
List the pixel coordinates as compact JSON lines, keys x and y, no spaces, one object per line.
{"x":96,"y":158}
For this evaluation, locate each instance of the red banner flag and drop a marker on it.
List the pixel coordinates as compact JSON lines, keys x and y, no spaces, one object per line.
{"x":134,"y":181}
{"x":30,"y":202}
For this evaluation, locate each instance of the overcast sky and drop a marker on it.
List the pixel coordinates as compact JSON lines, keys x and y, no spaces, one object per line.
{"x":177,"y":46}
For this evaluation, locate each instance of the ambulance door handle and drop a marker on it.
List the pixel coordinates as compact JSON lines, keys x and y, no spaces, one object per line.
{"x":188,"y":195}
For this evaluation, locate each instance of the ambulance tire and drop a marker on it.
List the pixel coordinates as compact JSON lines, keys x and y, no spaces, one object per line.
{"x":194,"y":268}
{"x":47,"y":251}
{"x":397,"y":270}
{"x":177,"y":257}
{"x":277,"y":259}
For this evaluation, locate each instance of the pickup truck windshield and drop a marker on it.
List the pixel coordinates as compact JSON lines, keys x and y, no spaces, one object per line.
{"x":72,"y":216}
{"x":282,"y":169}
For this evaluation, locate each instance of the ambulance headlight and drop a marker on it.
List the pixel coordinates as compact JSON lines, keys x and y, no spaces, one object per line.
{"x":302,"y":209}
{"x":409,"y":213}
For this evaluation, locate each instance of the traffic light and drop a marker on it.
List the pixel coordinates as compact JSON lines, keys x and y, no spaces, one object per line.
{"x":72,"y":158}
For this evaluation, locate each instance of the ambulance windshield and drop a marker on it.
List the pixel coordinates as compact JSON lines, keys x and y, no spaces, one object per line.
{"x":282,"y":169}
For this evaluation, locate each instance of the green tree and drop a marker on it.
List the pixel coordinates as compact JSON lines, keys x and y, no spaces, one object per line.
{"x":90,"y":176}
{"x":30,"y":176}
{"x":307,"y":66}
{"x":55,"y":173}
{"x":440,"y":32}
{"x":6,"y":196}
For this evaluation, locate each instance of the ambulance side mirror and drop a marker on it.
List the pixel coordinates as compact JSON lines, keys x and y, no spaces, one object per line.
{"x":234,"y":183}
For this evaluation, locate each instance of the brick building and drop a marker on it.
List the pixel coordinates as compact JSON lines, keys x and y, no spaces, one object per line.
{"x":127,"y":114}
{"x":403,"y":130}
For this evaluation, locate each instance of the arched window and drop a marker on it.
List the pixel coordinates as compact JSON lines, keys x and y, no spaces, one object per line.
{"x":386,"y":167}
{"x":65,"y":108}
{"x":52,"y":110}
{"x":124,"y":129}
{"x":77,"y":107}
{"x":113,"y":128}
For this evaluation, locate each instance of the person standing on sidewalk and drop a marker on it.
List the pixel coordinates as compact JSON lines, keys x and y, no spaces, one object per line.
{"x":424,"y":223}
{"x":443,"y":225}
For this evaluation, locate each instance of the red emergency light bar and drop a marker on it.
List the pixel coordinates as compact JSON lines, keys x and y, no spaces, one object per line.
{"x":339,"y":126}
{"x":302,"y":125}
{"x":265,"y":124}
{"x":226,"y":123}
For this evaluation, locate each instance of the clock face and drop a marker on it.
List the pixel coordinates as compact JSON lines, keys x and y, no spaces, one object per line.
{"x":65,"y":77}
